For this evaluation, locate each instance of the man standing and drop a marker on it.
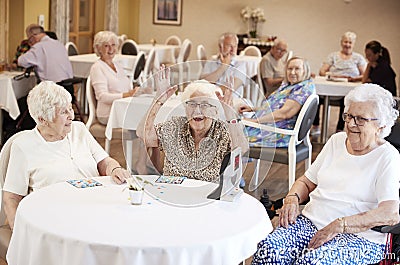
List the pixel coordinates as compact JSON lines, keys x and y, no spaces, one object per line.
{"x":273,"y":67}
{"x":47,"y":55}
{"x":225,"y":65}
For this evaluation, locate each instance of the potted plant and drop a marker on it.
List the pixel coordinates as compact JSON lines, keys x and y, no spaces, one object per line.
{"x":136,"y":189}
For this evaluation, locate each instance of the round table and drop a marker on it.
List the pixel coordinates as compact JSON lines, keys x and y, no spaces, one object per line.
{"x":62,"y":224}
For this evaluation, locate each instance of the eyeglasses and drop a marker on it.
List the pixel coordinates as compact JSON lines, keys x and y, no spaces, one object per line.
{"x":280,"y":50}
{"x":360,"y":121}
{"x":201,"y":105}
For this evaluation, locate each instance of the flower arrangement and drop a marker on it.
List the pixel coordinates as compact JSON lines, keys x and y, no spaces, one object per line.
{"x":253,"y":16}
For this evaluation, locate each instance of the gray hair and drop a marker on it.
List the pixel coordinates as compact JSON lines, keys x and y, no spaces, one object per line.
{"x":382,"y":102}
{"x":44,"y":98}
{"x":349,"y":35}
{"x":226,"y":35}
{"x":306,"y":68}
{"x":102,"y":37}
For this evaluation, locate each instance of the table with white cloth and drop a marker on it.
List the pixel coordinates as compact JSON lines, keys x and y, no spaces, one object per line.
{"x":251,"y":63}
{"x":330,"y":89}
{"x":10,"y":91}
{"x":164,"y":53}
{"x":82,"y":63}
{"x":62,"y":224}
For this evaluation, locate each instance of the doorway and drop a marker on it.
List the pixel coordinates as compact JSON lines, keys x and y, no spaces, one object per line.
{"x":81,"y":24}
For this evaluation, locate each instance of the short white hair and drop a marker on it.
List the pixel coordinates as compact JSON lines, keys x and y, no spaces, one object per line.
{"x":382,"y":102}
{"x":44,"y":98}
{"x":203,"y":87}
{"x":349,"y":35}
{"x":103,"y":37}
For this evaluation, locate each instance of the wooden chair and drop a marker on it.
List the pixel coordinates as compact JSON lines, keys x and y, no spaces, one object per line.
{"x":184,"y":54}
{"x":137,"y":69}
{"x":299,"y":148}
{"x":148,"y":69}
{"x":202,"y":57}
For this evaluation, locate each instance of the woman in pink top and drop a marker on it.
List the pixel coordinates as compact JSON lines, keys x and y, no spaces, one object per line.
{"x":108,"y":77}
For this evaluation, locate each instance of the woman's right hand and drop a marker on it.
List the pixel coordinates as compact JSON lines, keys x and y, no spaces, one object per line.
{"x":163,"y":85}
{"x":130,"y":93}
{"x":289,"y":212}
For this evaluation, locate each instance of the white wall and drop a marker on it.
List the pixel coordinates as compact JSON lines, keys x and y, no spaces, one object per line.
{"x":312,"y":28}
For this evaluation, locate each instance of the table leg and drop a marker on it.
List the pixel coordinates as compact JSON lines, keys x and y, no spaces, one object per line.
{"x":325,"y":120}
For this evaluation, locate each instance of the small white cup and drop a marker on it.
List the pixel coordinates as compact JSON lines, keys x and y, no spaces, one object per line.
{"x":136,"y":196}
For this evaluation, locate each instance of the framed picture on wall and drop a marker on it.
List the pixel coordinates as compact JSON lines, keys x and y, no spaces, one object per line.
{"x":167,"y":12}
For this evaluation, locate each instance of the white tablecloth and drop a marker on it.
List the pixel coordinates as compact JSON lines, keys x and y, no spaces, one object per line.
{"x":82,"y":63}
{"x":327,"y":89}
{"x":61,"y":224}
{"x":164,"y":53}
{"x":251,"y":64}
{"x":11,"y":90}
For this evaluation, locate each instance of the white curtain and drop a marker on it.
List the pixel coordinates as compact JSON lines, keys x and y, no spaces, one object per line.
{"x":111,"y":16}
{"x":60,"y":19}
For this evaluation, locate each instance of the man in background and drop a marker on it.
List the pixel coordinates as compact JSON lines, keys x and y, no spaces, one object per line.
{"x":273,"y":67}
{"x":225,"y":65}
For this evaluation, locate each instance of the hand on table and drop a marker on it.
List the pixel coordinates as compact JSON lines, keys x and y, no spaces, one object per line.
{"x":120,"y":175}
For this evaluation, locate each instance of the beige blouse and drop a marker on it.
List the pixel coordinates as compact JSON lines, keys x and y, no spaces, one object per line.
{"x":181,"y":159}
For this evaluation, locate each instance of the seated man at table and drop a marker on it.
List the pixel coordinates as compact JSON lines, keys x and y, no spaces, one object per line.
{"x":49,"y":56}
{"x":57,"y":149}
{"x":272,"y":67}
{"x":217,"y":71}
{"x":194,"y":145}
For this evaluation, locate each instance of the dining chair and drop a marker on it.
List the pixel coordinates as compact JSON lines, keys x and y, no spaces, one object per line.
{"x":5,"y":230}
{"x":137,"y":68}
{"x":98,"y":130}
{"x":184,"y":54}
{"x":299,"y":147}
{"x":129,"y":47}
{"x":251,"y":51}
{"x":202,"y":57}
{"x":71,"y":48}
{"x":148,"y":68}
{"x":174,"y":40}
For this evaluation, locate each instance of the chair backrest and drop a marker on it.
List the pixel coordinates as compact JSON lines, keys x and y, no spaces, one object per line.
{"x":173,"y":40}
{"x":129,"y":47}
{"x":201,"y":53}
{"x":260,"y":80}
{"x":185,"y":51}
{"x":306,"y":117}
{"x":92,"y":102}
{"x":138,"y":66}
{"x":394,"y":136}
{"x":71,"y":48}
{"x":4,"y":159}
{"x":251,"y":51}
{"x":149,"y":66}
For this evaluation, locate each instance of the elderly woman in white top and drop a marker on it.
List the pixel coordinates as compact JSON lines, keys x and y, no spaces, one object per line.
{"x":108,"y":77}
{"x":56,"y":150}
{"x":353,"y":186}
{"x":195,"y":144}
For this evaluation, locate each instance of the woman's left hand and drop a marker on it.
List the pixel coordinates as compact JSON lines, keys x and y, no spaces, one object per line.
{"x":119,"y":175}
{"x":325,"y":234}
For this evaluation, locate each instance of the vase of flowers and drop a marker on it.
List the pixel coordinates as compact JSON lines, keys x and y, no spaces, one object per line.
{"x":252,"y":16}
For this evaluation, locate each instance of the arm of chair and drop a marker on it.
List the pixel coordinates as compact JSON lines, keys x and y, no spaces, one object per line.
{"x":393,"y":229}
{"x":268,"y":128}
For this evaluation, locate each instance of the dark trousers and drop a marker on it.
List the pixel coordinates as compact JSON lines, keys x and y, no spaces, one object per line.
{"x":340,"y":103}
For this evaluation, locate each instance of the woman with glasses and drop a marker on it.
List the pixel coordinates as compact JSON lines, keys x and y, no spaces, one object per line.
{"x":352,"y":186}
{"x":282,"y":106}
{"x":194,"y":145}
